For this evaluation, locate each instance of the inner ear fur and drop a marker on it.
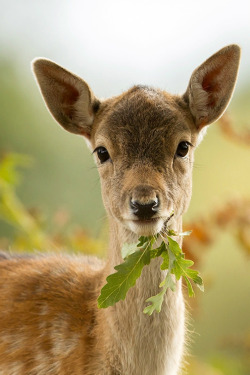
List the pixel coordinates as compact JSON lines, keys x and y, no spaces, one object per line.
{"x":68,"y":97}
{"x":212,"y":84}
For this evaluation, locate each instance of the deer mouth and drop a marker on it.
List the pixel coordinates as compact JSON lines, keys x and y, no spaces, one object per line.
{"x":146,"y":221}
{"x":146,"y":227}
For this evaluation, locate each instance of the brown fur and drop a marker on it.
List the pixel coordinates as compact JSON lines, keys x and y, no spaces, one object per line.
{"x":49,"y":320}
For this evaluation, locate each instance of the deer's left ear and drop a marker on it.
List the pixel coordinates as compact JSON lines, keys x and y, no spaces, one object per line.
{"x":212,"y":84}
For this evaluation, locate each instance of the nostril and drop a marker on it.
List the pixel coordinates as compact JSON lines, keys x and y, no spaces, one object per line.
{"x":155,"y":204}
{"x":144,"y":211}
{"x":135,"y":206}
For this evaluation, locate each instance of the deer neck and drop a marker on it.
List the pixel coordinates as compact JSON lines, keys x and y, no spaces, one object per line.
{"x":144,"y":344}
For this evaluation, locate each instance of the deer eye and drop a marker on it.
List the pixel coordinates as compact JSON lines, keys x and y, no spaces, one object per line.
{"x":102,"y":154}
{"x":182,"y":149}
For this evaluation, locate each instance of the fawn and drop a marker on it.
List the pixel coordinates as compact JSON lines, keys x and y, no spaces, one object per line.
{"x":143,"y":142}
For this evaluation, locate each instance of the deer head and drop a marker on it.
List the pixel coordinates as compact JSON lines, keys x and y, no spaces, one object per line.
{"x":144,"y":139}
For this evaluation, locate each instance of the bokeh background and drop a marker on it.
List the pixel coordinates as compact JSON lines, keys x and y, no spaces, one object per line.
{"x":113,"y":45}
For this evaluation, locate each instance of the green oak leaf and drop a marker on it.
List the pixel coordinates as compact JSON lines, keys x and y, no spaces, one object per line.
{"x":189,"y":286}
{"x":157,"y":300}
{"x":121,"y":281}
{"x":168,"y":259}
{"x":167,"y":264}
{"x":128,"y":249}
{"x":181,"y":268}
{"x":155,"y":253}
{"x":196,"y":278}
{"x":143,"y":240}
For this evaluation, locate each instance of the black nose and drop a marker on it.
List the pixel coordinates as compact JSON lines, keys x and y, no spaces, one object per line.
{"x":144,"y":211}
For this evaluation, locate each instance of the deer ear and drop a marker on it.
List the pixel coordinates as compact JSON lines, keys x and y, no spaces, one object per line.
{"x":68,"y":98}
{"x":212,"y":84}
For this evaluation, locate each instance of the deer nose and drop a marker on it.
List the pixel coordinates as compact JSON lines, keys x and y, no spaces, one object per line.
{"x":144,"y":211}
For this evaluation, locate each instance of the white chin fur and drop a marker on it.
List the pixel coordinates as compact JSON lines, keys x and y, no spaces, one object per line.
{"x":147,"y":229}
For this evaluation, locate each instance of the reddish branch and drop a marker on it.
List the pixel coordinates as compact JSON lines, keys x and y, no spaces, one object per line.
{"x":228,"y":130}
{"x":233,"y":216}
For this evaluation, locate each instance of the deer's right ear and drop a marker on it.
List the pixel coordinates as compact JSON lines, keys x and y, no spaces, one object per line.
{"x":212,"y":84}
{"x":68,"y":97}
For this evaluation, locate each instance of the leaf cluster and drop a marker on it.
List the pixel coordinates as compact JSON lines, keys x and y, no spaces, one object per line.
{"x":136,"y":257}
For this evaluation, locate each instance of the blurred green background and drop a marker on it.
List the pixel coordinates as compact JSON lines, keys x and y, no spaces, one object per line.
{"x":114,"y":45}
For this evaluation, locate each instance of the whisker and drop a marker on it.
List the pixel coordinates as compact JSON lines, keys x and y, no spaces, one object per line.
{"x":197,"y":165}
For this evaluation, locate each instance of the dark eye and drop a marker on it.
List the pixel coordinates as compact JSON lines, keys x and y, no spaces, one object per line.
{"x":102,"y":154}
{"x":182,"y":149}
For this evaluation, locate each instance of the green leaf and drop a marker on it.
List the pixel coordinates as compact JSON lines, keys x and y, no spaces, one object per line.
{"x":182,"y":268}
{"x":156,"y":301}
{"x":168,"y":263}
{"x":120,"y":282}
{"x":190,"y":288}
{"x":143,"y":241}
{"x":168,"y":259}
{"x":196,"y":278}
{"x":128,"y":249}
{"x":174,"y":247}
{"x":155,"y":253}
{"x":168,"y":282}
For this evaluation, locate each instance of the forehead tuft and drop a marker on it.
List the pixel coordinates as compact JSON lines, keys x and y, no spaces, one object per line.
{"x":142,"y":106}
{"x":144,"y":109}
{"x":146,"y":92}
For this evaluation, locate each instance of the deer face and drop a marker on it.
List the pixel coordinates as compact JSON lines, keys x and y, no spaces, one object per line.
{"x":143,"y":140}
{"x":144,"y":143}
